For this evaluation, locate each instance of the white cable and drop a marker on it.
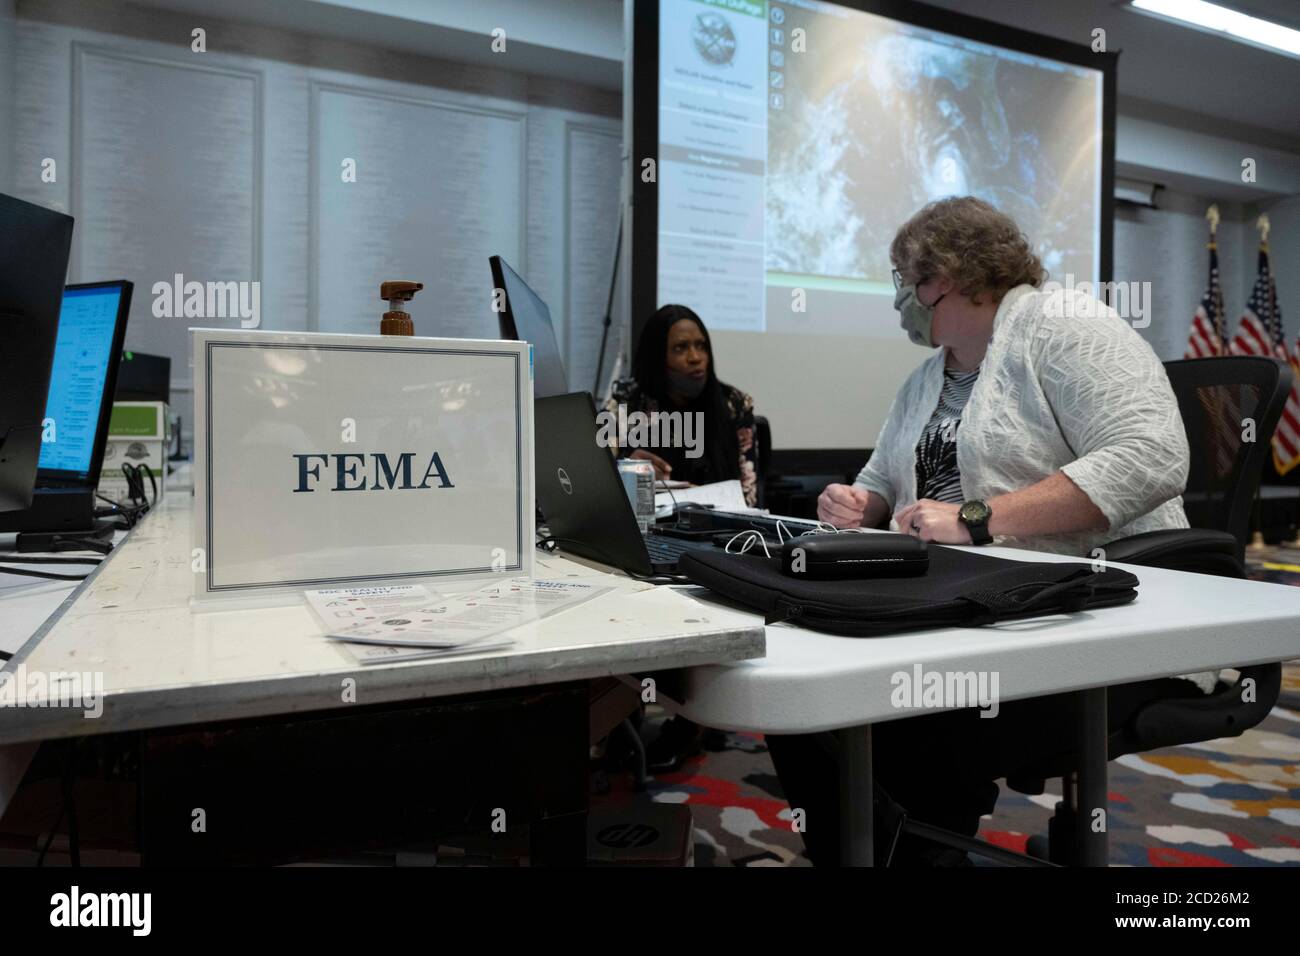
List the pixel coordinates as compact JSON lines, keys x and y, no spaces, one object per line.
{"x":750,"y":537}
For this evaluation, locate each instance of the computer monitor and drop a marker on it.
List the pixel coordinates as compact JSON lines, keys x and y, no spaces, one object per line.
{"x":34,"y":246}
{"x":144,"y":378}
{"x":92,"y":325}
{"x":526,"y":318}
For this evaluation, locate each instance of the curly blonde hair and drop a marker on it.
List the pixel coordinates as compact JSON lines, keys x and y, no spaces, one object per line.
{"x":970,"y":242}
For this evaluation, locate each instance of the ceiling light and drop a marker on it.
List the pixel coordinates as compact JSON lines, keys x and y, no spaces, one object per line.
{"x":1213,"y":18}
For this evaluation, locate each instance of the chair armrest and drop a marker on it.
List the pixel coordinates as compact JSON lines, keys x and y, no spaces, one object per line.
{"x":1199,"y":550}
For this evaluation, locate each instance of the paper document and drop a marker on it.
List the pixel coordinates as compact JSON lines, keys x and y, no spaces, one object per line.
{"x":389,"y":654}
{"x":408,"y":617}
{"x":723,"y":495}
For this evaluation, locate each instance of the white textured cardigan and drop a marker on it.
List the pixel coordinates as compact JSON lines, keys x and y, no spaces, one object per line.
{"x":1066,"y":385}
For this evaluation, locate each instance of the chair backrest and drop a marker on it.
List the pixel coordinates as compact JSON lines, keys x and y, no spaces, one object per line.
{"x":1216,"y":396}
{"x":762,"y":455}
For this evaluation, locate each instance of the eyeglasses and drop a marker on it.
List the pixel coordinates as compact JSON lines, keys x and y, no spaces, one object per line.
{"x":898,"y":280}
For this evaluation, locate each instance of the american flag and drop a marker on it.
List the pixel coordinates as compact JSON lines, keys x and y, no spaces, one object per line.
{"x":1260,"y":333}
{"x":1286,"y":439}
{"x":1208,"y":330}
{"x":1260,"y":330}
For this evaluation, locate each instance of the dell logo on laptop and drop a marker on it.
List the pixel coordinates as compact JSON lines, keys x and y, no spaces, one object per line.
{"x":565,"y":484}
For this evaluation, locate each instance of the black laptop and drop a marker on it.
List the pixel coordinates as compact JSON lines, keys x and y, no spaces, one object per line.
{"x":582,"y":498}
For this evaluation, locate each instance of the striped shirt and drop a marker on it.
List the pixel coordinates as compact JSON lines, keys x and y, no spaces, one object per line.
{"x":937,"y":474}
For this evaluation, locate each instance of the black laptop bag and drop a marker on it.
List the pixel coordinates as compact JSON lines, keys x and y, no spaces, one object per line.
{"x":960,"y":589}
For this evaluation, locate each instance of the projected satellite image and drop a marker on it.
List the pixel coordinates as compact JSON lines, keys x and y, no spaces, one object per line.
{"x":877,"y":122}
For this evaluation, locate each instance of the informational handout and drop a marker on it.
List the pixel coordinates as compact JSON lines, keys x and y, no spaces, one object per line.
{"x":405,"y":618}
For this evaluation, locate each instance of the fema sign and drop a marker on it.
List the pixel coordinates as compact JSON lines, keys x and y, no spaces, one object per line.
{"x":324,"y":460}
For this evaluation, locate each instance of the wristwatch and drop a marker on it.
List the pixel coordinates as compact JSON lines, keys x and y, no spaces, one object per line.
{"x":975,"y":516}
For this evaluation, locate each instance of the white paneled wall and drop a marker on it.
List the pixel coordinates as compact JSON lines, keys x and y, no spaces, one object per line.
{"x":8,"y":78}
{"x":146,"y":213}
{"x":227,"y":165}
{"x":439,"y":188}
{"x":589,"y":247}
{"x":1166,"y":247}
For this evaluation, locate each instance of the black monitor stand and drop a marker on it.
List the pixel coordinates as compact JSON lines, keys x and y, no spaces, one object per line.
{"x":99,"y":538}
{"x":69,"y":525}
{"x":54,"y":509}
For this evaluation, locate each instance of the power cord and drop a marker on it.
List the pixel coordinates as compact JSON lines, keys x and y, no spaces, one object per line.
{"x":47,"y":575}
{"x":18,"y":558}
{"x":139,"y":504}
{"x":12,"y":557}
{"x":135,"y":484}
{"x":130,"y":515}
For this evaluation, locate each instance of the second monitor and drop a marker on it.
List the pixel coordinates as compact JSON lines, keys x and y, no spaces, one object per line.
{"x":34,"y":245}
{"x":526,"y":318}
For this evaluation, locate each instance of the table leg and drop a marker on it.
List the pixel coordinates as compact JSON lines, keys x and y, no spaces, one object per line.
{"x":1091,"y":843}
{"x":856,"y":817}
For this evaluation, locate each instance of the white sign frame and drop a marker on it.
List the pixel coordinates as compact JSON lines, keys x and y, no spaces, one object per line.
{"x":214,"y":580}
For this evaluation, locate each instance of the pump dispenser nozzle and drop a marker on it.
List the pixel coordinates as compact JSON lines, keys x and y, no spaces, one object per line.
{"x":397,"y":321}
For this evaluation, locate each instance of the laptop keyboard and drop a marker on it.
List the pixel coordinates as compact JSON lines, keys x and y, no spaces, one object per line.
{"x":666,"y":550}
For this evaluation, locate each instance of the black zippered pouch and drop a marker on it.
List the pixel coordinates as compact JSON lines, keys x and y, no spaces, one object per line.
{"x":960,"y":589}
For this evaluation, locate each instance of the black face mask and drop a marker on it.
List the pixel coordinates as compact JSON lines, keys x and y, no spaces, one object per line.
{"x":686,"y":385}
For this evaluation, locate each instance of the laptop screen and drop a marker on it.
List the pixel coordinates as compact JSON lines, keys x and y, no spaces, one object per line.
{"x":83,"y":352}
{"x":532,"y":323}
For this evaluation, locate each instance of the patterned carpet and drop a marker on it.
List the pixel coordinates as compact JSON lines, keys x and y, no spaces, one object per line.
{"x":1230,"y":802}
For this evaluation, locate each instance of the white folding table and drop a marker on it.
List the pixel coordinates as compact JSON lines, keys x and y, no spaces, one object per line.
{"x":1180,"y":623}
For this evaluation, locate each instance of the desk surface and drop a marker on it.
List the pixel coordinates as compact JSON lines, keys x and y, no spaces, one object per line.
{"x":164,"y":664}
{"x":1180,"y":623}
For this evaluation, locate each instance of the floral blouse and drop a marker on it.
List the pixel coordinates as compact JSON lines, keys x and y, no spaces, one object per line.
{"x":740,"y":409}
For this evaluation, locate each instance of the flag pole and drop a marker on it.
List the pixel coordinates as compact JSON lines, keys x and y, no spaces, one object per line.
{"x":1220,"y":320}
{"x":1257,"y":539}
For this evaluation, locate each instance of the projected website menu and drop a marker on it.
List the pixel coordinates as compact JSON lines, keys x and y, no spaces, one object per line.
{"x":713,"y":103}
{"x":81,"y":357}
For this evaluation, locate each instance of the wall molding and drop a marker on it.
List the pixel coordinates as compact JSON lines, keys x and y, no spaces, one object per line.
{"x":315,"y":88}
{"x":80,"y":51}
{"x":614,"y":131}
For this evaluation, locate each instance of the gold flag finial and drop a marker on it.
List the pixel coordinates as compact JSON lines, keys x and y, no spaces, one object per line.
{"x":1262,"y":224}
{"x":1212,"y":214}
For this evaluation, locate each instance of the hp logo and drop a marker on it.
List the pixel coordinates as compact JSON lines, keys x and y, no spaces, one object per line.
{"x":565,"y":484}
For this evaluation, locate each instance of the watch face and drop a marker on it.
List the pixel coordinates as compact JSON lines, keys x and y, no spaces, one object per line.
{"x":974,"y":512}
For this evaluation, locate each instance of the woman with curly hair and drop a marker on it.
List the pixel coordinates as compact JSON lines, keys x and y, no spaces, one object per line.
{"x":1041,"y":421}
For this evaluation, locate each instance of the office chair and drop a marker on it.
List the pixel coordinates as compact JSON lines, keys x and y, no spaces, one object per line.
{"x":762,"y":456}
{"x":1214,"y":396}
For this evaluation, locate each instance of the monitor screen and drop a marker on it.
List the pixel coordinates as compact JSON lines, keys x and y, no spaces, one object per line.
{"x":34,"y":244}
{"x":82,"y":354}
{"x":532,"y":324}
